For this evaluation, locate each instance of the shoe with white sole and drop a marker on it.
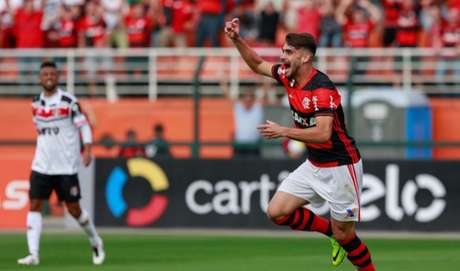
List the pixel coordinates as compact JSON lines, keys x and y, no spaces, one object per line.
{"x":98,"y":253}
{"x":29,"y":260}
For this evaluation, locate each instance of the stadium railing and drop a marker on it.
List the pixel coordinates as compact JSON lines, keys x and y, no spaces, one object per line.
{"x":170,"y":71}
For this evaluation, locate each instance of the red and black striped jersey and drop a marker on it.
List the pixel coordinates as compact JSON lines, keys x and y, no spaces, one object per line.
{"x":319,"y":96}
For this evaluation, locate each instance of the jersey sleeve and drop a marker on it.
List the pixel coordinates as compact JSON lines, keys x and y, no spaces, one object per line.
{"x":326,"y":99}
{"x":277,"y":72}
{"x":78,"y":117}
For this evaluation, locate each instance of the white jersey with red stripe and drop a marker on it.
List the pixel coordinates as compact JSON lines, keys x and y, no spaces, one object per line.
{"x":58,"y":119}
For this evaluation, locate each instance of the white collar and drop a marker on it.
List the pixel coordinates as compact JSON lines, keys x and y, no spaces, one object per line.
{"x":56,"y":94}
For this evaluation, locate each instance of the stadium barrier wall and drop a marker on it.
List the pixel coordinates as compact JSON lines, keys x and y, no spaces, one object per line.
{"x":217,"y":124}
{"x":398,"y":195}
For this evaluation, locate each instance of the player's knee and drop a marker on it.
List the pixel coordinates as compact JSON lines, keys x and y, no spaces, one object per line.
{"x":74,"y":213}
{"x":275,"y":212}
{"x":74,"y":210}
{"x":342,"y":235}
{"x":35,"y":206}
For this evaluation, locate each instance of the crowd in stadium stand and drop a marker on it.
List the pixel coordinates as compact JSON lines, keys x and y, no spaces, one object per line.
{"x":180,"y":23}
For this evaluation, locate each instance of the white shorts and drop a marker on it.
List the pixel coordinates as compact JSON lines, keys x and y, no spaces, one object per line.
{"x":339,"y":186}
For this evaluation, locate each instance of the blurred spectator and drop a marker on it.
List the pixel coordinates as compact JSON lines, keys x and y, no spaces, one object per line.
{"x":358,"y":20}
{"x":248,"y":30}
{"x":248,"y":114}
{"x":92,"y":32}
{"x":7,"y":39}
{"x":391,"y":10}
{"x":430,"y":20}
{"x":269,"y":19}
{"x":131,"y":147}
{"x":158,"y":147}
{"x":448,"y":36}
{"x":408,"y":25}
{"x":50,"y":15}
{"x":66,"y":27}
{"x":182,"y":21}
{"x":453,"y":4}
{"x":73,"y":2}
{"x":27,"y":25}
{"x":104,"y":23}
{"x":113,"y":18}
{"x":331,"y":30}
{"x":92,"y":27}
{"x":211,"y":21}
{"x":278,"y":5}
{"x":28,"y":34}
{"x":107,"y":141}
{"x":162,"y":34}
{"x":308,"y":18}
{"x":139,"y":26}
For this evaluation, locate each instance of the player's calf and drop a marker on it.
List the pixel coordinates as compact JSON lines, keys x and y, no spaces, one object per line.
{"x":358,"y":253}
{"x":303,"y":219}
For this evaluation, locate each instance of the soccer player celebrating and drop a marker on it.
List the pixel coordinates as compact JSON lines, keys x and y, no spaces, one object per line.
{"x":333,"y":171}
{"x":59,"y":122}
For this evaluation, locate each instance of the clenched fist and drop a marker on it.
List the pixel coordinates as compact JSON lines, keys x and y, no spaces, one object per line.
{"x":232,"y":28}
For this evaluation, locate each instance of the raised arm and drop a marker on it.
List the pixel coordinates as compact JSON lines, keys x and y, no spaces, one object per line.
{"x":254,"y":61}
{"x":340,"y":12}
{"x":372,"y":9}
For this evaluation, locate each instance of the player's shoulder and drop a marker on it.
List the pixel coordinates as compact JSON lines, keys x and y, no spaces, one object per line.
{"x":321,"y":80}
{"x":68,"y":98}
{"x":36,"y":99}
{"x":278,"y":71}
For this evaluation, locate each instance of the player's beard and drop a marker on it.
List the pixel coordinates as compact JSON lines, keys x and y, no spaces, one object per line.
{"x":290,"y":70}
{"x":50,"y":88}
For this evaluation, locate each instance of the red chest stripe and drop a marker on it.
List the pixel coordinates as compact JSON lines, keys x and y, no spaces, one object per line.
{"x":48,"y":113}
{"x":45,"y":113}
{"x":64,"y":111}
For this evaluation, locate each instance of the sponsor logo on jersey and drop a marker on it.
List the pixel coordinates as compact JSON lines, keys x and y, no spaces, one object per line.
{"x":48,"y":131}
{"x":306,"y":103}
{"x":304,"y":122}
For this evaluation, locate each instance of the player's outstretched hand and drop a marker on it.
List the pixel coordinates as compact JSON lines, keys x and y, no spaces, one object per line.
{"x":271,"y":130}
{"x":232,"y":28}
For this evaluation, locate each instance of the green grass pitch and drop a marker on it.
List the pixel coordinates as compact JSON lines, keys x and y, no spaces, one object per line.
{"x":173,"y":252}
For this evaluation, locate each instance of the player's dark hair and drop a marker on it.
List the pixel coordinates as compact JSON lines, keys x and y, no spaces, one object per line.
{"x":48,"y":64}
{"x":302,"y":40}
{"x":158,"y":128}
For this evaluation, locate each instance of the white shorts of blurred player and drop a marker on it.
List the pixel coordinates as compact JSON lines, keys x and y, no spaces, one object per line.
{"x":339,"y":186}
